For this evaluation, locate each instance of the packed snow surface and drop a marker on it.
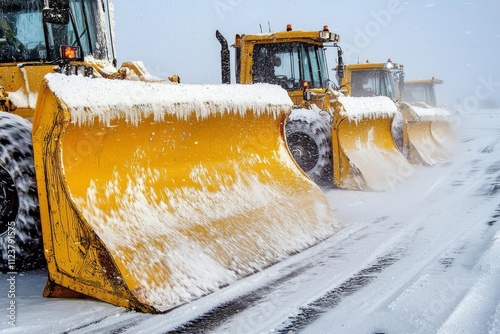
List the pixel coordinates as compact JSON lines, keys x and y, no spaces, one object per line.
{"x":133,"y":100}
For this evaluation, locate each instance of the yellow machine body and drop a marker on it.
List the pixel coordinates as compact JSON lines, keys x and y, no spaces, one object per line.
{"x":360,"y":127}
{"x":22,"y":83}
{"x":153,"y":194}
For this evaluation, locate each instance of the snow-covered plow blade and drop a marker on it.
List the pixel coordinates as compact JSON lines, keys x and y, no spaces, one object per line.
{"x":152,"y":195}
{"x":367,"y":156}
{"x":427,"y":136}
{"x":443,"y":133}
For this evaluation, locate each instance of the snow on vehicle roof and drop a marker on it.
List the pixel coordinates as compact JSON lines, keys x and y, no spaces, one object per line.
{"x":357,"y":108}
{"x":106,"y":99}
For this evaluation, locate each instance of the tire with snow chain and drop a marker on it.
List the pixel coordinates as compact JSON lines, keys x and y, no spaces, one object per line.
{"x":309,"y":139}
{"x":20,"y":231}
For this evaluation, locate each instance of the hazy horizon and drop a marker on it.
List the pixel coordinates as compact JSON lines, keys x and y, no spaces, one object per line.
{"x":457,"y":42}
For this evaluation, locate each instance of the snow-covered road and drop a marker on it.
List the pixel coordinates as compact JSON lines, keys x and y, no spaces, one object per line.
{"x":421,"y":258}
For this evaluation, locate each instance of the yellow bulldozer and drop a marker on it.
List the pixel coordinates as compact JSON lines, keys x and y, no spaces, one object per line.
{"x":422,"y":133}
{"x":337,"y":140}
{"x":421,"y":93}
{"x":150,"y":193}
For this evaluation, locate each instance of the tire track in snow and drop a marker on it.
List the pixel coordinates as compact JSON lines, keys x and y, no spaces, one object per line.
{"x":494,"y":217}
{"x":481,"y":297}
{"x":314,"y":310}
{"x":217,"y":316}
{"x":108,"y":324}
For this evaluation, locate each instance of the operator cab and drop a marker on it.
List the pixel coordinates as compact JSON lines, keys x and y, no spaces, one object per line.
{"x":67,"y":29}
{"x":289,"y":64}
{"x":368,"y":83}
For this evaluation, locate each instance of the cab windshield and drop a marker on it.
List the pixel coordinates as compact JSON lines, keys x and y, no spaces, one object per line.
{"x":372,"y":83}
{"x":420,"y":93}
{"x":287,"y":64}
{"x":25,"y":37}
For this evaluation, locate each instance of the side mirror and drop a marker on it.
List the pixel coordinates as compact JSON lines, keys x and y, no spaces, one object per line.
{"x":57,"y":12}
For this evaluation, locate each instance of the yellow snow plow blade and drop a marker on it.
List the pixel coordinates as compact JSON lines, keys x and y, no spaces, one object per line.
{"x":427,"y":134}
{"x":443,"y":134}
{"x":153,"y":195}
{"x":368,"y":157}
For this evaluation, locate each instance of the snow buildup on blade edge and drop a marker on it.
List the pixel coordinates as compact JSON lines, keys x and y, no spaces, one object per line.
{"x":358,"y":108}
{"x":88,"y":98}
{"x":430,"y":113}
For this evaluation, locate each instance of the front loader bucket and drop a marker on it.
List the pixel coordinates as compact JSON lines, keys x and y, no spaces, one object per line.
{"x":153,"y":195}
{"x":365,"y":154}
{"x":427,"y":136}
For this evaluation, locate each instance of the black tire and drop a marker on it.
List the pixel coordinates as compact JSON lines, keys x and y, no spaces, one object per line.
{"x":309,"y":139}
{"x":20,"y":230}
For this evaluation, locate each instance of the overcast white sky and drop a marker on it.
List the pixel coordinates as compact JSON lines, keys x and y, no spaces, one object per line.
{"x":454,"y":40}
